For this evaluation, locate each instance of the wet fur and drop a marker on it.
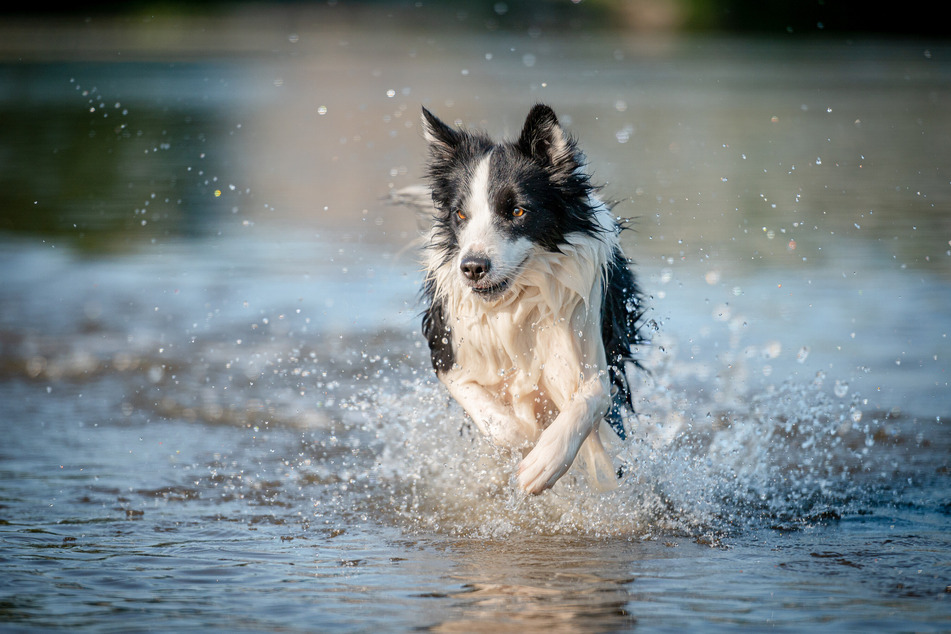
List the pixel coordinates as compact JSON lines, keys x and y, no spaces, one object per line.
{"x":531,"y":316}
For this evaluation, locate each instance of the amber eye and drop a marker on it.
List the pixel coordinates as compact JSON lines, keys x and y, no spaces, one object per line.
{"x":518,"y":212}
{"x":460,"y":214}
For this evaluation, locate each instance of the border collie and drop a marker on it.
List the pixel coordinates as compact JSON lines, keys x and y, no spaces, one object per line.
{"x":531,"y":310}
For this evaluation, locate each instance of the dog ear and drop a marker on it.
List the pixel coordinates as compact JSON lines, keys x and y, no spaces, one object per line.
{"x":544,"y":140}
{"x":442,"y":139}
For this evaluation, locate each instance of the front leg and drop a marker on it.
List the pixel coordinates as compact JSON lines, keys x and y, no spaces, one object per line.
{"x":559,"y":443}
{"x":493,"y":418}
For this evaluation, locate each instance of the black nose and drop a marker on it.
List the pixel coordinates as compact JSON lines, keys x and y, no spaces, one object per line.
{"x":475,"y":267}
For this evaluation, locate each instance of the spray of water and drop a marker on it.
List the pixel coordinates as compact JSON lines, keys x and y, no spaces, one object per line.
{"x":709,"y":453}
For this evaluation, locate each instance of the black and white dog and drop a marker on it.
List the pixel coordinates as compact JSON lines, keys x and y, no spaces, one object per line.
{"x":531,"y":310}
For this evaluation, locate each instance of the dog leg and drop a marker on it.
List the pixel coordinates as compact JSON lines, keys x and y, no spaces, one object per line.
{"x":493,"y":419}
{"x":559,"y":443}
{"x":597,"y":462}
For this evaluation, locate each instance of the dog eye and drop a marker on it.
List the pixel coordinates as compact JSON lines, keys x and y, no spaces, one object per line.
{"x":518,"y":212}
{"x":460,"y":214}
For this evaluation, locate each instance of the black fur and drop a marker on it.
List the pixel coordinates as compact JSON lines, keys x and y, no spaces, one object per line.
{"x":621,"y":315}
{"x":436,"y":330}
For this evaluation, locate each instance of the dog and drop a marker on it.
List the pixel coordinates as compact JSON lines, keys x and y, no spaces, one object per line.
{"x":532,"y":313}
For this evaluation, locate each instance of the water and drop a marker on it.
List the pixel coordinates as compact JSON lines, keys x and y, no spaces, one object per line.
{"x":217,"y":411}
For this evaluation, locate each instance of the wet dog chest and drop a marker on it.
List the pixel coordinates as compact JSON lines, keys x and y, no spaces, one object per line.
{"x":498,"y":342}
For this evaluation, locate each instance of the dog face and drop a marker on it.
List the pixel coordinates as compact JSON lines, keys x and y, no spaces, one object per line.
{"x":499,"y":202}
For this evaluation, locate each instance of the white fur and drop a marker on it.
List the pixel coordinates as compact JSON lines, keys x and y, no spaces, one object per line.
{"x":530,"y":368}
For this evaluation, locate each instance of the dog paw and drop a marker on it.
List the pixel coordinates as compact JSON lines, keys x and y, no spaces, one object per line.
{"x":543,"y":466}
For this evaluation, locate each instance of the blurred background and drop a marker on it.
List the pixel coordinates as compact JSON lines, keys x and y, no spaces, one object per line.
{"x":124,"y":121}
{"x":735,"y":16}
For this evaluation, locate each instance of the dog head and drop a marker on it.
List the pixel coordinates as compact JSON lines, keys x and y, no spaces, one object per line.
{"x":496,"y":203}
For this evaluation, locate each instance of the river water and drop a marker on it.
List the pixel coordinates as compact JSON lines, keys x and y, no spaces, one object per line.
{"x":217,"y":410}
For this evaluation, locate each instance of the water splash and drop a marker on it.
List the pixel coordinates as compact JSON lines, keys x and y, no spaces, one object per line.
{"x":710,"y":453}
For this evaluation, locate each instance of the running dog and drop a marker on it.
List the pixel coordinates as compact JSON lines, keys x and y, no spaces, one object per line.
{"x":532,"y":313}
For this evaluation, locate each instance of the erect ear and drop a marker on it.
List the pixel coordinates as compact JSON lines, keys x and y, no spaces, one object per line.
{"x":442,"y":139}
{"x":543,"y":140}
